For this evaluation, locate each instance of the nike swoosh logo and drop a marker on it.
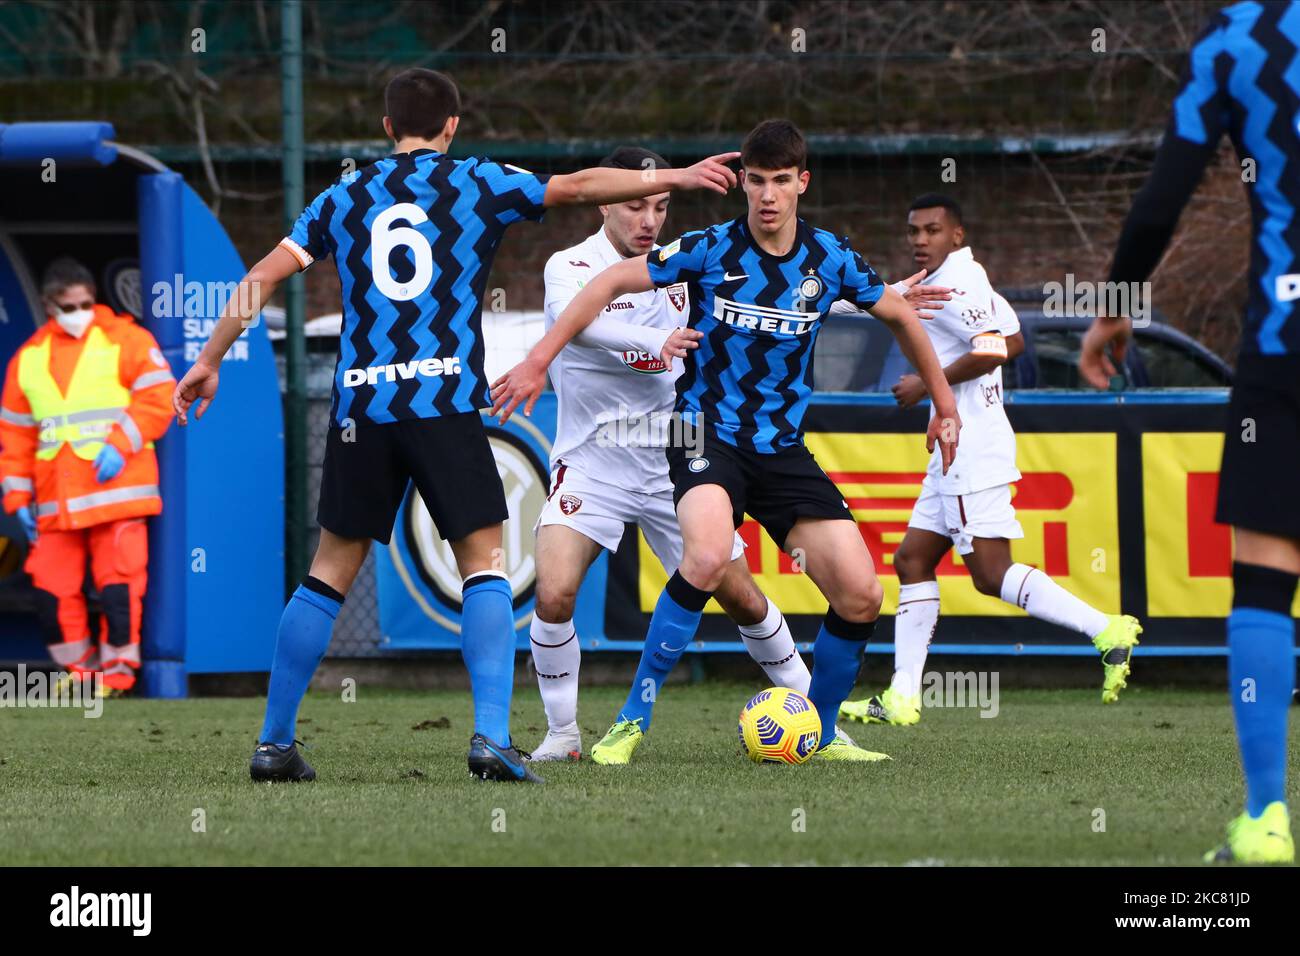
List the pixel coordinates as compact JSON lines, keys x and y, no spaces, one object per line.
{"x":673,"y":650}
{"x":728,"y":277}
{"x":517,"y":771}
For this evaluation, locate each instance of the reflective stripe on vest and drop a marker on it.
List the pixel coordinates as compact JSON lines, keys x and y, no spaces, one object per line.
{"x":150,"y":379}
{"x":129,"y":428}
{"x":126,"y":654}
{"x":111,"y":497}
{"x":70,"y":652}
{"x":16,"y":484}
{"x":96,"y":396}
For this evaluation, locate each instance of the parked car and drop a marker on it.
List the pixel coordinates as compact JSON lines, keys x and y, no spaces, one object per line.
{"x":862,"y":356}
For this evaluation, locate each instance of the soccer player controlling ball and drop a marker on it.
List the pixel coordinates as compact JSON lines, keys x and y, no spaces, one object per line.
{"x":412,"y":237}
{"x":616,"y":399}
{"x":759,"y":286}
{"x":1242,"y":79}
{"x":974,"y":331}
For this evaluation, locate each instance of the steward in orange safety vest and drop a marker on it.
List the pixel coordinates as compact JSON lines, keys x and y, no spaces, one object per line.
{"x":84,"y":400}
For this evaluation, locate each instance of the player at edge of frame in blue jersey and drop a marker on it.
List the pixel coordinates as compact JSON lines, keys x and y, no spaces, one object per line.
{"x":759,"y":287}
{"x":412,"y":236}
{"x":1242,"y":80}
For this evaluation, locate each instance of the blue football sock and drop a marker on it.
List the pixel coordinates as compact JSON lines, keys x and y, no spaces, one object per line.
{"x":672,"y":627}
{"x":1261,"y":680}
{"x":488,"y":646}
{"x":837,"y":657}
{"x":300,"y":643}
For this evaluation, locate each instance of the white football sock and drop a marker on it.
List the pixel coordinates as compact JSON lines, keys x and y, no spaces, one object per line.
{"x":772,"y":647}
{"x":914,"y":623}
{"x":1033,"y":591}
{"x":556,"y":656}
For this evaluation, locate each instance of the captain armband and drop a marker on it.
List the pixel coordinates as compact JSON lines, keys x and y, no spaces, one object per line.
{"x":989,"y":343}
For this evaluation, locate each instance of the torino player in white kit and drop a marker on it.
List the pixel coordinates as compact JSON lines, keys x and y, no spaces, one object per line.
{"x":974,"y":332}
{"x":608,"y":465}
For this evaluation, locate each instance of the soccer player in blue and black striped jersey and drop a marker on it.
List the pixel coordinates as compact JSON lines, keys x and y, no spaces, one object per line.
{"x":412,"y":237}
{"x":1243,"y":79}
{"x":759,"y":288}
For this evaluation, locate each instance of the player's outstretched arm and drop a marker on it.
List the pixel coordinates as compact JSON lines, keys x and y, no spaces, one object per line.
{"x":523,"y":383}
{"x":610,"y":335}
{"x":254,"y":291}
{"x":902,"y":320}
{"x":599,"y":186}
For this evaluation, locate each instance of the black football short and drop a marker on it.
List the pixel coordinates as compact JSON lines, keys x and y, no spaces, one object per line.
{"x":449,"y":458}
{"x":1258,"y":483}
{"x":775,"y":489}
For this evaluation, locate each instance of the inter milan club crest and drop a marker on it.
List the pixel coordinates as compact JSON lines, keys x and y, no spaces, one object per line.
{"x":810,"y":289}
{"x":677,"y":296}
{"x":570,"y":503}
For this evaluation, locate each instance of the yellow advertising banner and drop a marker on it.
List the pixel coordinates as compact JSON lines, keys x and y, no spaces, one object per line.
{"x":1066,"y":502}
{"x":1188,"y":556}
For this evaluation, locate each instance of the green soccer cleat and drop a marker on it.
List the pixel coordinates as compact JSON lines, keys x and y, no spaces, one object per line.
{"x":1116,"y":644}
{"x":890,"y":707}
{"x":617,"y":746}
{"x":1262,"y":839}
{"x":841,"y":749}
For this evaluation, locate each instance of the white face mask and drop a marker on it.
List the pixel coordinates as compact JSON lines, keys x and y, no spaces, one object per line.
{"x":75,"y":323}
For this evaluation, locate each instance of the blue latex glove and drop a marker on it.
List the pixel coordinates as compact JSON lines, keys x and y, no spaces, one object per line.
{"x":27,"y":518}
{"x":108,"y":463}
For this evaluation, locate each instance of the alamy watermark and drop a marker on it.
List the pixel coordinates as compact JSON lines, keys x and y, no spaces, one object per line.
{"x":44,"y":689}
{"x":654,"y":429}
{"x":1081,"y":298}
{"x":977,"y":689}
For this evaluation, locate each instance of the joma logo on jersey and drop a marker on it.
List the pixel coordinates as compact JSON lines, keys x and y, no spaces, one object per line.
{"x":426,"y":368}
{"x":760,"y":318}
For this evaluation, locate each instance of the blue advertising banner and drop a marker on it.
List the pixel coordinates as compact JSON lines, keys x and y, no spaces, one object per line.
{"x":419,"y":586}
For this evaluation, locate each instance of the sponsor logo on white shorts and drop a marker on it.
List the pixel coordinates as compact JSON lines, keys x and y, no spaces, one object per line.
{"x":425,"y":368}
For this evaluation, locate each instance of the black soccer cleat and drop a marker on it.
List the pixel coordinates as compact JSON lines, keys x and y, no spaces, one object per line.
{"x":277,"y":763}
{"x":491,"y":761}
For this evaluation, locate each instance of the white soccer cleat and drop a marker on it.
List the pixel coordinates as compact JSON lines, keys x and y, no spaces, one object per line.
{"x":562,"y":744}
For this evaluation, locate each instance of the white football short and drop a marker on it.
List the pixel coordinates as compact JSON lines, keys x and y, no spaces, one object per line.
{"x":983,"y":514}
{"x":598,"y":511}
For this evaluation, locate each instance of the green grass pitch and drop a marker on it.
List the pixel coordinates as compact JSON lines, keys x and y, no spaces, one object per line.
{"x":1026,"y":787}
